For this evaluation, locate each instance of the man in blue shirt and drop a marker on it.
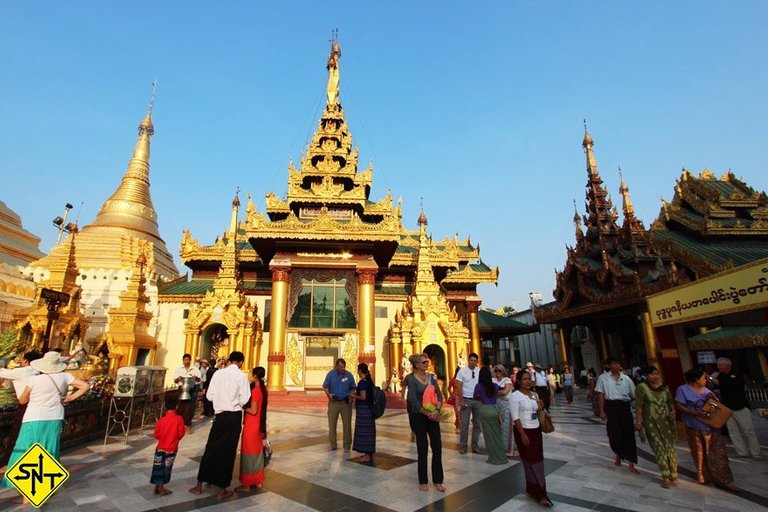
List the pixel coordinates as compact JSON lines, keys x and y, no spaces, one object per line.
{"x":339,"y":386}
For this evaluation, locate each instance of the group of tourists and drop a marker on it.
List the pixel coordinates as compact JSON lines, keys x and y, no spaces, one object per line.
{"x":509,"y":410}
{"x":655,"y":418}
{"x":238,"y":407}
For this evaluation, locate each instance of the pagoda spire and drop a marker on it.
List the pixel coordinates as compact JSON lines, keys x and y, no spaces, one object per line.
{"x":332,"y":66}
{"x":587,"y":144}
{"x":130,"y":206}
{"x":601,"y":215}
{"x":626,"y":201}
{"x":235,"y":207}
{"x":577,"y":222}
{"x":631,"y":223}
{"x":425,"y":277}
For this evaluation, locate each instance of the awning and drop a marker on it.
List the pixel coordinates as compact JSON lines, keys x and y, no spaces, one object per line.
{"x":730,"y":338}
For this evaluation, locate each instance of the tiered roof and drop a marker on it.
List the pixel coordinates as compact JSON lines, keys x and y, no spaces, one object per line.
{"x":328,"y":208}
{"x":713,"y":224}
{"x":610,"y":265}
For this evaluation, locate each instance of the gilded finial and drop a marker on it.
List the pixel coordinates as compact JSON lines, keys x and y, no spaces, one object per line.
{"x":236,"y":200}
{"x":422,"y":217}
{"x":332,"y":66}
{"x":587,"y":138}
{"x":146,"y":126}
{"x":152,"y":99}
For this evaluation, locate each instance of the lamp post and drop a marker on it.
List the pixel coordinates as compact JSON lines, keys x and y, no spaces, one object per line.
{"x":61,"y":224}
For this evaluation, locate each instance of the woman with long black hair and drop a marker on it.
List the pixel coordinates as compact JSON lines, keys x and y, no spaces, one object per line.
{"x":252,"y":462}
{"x":364,"y":440}
{"x":524,"y":409}
{"x":487,"y":392}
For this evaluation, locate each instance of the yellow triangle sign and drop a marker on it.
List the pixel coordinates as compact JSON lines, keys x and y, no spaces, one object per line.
{"x":37,"y":475}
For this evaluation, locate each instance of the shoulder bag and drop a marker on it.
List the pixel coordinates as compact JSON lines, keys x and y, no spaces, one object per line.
{"x":545,"y":420}
{"x":717,"y":413}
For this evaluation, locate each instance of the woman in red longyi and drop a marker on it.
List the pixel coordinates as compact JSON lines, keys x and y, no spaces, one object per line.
{"x":254,"y":434}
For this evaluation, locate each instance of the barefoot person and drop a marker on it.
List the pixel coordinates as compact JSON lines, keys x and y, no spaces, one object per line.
{"x":252,"y":462}
{"x":656,"y":415}
{"x":615,"y":392}
{"x":425,"y":424}
{"x":229,"y":391}
{"x":168,"y":431}
{"x":525,"y":406}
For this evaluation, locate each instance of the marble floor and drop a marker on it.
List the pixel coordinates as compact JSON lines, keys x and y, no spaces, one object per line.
{"x":304,"y":475}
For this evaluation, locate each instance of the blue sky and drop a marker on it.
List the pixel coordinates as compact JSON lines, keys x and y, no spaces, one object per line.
{"x":476,"y":106}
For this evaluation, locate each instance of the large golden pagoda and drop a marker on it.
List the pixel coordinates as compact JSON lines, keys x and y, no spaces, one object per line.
{"x":324,"y":273}
{"x":106,"y":253}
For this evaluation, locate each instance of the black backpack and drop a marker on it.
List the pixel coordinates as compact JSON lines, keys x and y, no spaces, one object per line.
{"x":379,"y":402}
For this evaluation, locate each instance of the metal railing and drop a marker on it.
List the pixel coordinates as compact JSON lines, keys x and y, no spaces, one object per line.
{"x":757,"y":395}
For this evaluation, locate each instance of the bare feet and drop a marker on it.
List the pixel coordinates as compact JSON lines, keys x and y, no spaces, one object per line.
{"x":633,"y":469}
{"x":198,"y":489}
{"x":440,"y":487}
{"x":242,"y":488}
{"x":365,"y":458}
{"x":224,"y":494}
{"x":164,"y":492}
{"x":423,"y":487}
{"x":617,"y":461}
{"x":157,"y":489}
{"x":545,"y":502}
{"x":665,"y":483}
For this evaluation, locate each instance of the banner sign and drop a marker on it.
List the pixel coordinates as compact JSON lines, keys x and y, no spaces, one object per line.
{"x":739,"y":289}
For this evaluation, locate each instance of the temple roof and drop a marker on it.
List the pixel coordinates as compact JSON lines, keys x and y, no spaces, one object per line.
{"x":609,"y":265}
{"x":491,"y":322}
{"x":18,"y":247}
{"x":713,"y":224}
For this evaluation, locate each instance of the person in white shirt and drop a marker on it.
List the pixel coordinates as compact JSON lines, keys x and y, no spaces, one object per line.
{"x":524,"y":411}
{"x":541,"y":385}
{"x":229,"y":390}
{"x":45,"y":396}
{"x":19,"y":377}
{"x":615,"y":392}
{"x":466,"y":381}
{"x":187,"y":407}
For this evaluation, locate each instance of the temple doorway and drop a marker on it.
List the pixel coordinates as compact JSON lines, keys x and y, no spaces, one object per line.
{"x":437,"y":364}
{"x":214,"y":338}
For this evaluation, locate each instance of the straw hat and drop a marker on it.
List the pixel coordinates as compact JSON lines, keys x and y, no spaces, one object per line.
{"x":51,"y":362}
{"x":529,"y":364}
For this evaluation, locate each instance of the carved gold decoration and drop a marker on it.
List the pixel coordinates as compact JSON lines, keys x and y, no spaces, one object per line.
{"x":293,"y":361}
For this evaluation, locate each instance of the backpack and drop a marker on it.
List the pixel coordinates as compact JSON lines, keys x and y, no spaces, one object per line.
{"x":379,"y":402}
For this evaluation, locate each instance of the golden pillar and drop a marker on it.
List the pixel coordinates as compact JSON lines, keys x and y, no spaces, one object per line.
{"x":474,"y":328}
{"x":417,"y":345}
{"x":652,"y":349}
{"x":247,"y":337}
{"x":561,"y":344}
{"x":276,"y":358}
{"x":452,"y":358}
{"x":195,"y":345}
{"x":395,"y":354}
{"x":366,"y":310}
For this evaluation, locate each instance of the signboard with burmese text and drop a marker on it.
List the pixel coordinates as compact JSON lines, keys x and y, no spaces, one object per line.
{"x":739,"y":289}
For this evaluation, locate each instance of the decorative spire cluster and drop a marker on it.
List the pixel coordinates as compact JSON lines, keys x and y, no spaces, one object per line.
{"x":601,"y":214}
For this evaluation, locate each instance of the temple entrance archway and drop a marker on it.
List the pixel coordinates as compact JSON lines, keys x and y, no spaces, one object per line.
{"x":213,"y":339}
{"x":437,"y":364}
